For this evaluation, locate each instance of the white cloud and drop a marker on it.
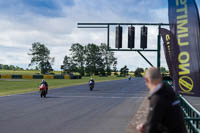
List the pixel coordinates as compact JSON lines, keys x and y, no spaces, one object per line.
{"x":58,"y":33}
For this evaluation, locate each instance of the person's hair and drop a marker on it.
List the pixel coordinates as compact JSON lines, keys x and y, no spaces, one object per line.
{"x":153,"y":74}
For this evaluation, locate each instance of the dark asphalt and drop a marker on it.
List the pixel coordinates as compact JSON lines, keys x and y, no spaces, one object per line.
{"x":194,"y":101}
{"x":108,"y":109}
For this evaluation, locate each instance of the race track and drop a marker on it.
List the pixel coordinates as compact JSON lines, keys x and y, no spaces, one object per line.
{"x":108,"y":109}
{"x":194,"y":101}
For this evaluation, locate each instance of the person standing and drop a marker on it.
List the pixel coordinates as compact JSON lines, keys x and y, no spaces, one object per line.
{"x":165,"y":114}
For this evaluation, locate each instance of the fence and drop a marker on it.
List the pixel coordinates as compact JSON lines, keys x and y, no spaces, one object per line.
{"x":191,"y":115}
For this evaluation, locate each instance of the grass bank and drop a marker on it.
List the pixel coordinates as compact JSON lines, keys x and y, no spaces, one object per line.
{"x":23,"y":72}
{"x":10,"y":87}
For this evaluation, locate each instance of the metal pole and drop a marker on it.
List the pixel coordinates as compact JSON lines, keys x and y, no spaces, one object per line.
{"x":108,"y":37}
{"x":159,"y":47}
{"x":142,"y":50}
{"x":145,"y":58}
{"x":104,"y":24}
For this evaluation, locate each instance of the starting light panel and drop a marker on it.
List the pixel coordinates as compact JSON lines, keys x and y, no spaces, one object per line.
{"x":131,"y":37}
{"x":143,"y":42}
{"x":118,"y":39}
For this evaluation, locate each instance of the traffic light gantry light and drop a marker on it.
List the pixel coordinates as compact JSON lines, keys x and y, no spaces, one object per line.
{"x":143,"y":39}
{"x":118,"y":43}
{"x":131,"y":37}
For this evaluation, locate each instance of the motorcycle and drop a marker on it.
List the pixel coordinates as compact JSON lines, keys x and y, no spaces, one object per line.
{"x":91,"y":87}
{"x":43,"y":90}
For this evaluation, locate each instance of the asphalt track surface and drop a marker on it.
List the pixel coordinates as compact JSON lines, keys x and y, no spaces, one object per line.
{"x":194,"y":101}
{"x":108,"y":109}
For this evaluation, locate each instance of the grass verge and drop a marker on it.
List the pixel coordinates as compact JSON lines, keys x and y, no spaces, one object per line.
{"x":23,"y":72}
{"x":10,"y":87}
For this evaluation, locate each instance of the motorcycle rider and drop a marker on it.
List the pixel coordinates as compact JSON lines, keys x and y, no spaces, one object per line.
{"x":91,"y":82}
{"x":46,"y":84}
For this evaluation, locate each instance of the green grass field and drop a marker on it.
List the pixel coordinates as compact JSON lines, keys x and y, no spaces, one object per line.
{"x":11,"y":72}
{"x":9,"y":87}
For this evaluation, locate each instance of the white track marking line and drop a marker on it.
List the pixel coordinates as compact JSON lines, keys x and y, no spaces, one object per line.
{"x":196,"y":104}
{"x":107,"y":97}
{"x":99,"y":97}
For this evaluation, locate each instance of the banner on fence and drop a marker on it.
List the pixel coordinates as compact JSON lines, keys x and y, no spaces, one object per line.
{"x":168,"y":39}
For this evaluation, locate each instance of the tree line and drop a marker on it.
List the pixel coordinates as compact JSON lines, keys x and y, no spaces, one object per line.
{"x":10,"y":67}
{"x":90,"y":59}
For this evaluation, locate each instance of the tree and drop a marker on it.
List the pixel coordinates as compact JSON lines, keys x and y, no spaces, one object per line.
{"x":68,"y":65}
{"x":46,"y":67}
{"x":17,"y":68}
{"x":163,"y":70}
{"x":78,"y":57}
{"x":41,"y":57}
{"x":138,"y":72}
{"x":108,"y":58}
{"x":93,"y":58}
{"x":36,"y":68}
{"x":109,"y":71}
{"x":1,"y":66}
{"x":124,"y":71}
{"x":12,"y":67}
{"x":6,"y":67}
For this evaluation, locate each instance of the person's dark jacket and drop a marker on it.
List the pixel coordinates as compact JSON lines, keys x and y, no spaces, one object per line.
{"x":165,"y":114}
{"x":91,"y":82}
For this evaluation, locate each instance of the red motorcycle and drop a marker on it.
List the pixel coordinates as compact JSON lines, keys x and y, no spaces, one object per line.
{"x":43,"y":90}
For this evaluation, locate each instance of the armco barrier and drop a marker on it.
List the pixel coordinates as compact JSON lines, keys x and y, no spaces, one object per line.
{"x":16,"y":76}
{"x":75,"y":77}
{"x":66,"y":77}
{"x":27,"y":76}
{"x":58,"y":76}
{"x":48,"y":76}
{"x":36,"y":77}
{"x":6,"y":76}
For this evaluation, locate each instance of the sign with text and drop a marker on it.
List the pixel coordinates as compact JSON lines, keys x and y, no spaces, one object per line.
{"x":185,"y":25}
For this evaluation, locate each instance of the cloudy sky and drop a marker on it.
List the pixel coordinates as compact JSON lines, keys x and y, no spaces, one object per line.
{"x":54,"y":23}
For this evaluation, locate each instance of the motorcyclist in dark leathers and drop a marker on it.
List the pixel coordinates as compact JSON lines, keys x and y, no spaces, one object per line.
{"x":46,"y":84}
